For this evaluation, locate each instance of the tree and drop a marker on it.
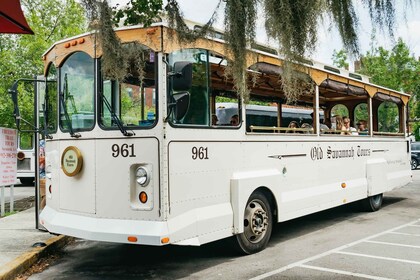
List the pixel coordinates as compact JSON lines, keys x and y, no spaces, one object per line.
{"x":292,"y":23}
{"x":20,"y":55}
{"x":340,"y":59}
{"x":396,"y":69}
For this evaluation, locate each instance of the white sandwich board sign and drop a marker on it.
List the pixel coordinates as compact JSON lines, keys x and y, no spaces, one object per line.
{"x":8,"y":161}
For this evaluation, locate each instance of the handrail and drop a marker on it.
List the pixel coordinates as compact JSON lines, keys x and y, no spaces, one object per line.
{"x":388,"y":133}
{"x":278,"y":129}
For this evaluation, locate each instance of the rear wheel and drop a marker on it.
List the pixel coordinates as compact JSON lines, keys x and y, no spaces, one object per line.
{"x":373,"y":203}
{"x":414,"y":164}
{"x":258,"y":224}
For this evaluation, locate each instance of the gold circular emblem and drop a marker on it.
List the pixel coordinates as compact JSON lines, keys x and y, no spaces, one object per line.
{"x":71,"y":161}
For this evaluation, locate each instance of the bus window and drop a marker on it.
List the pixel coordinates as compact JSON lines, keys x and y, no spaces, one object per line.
{"x":226,"y":109}
{"x":77,"y":85}
{"x":361,"y":118}
{"x":198,"y":112}
{"x":388,"y":117}
{"x":337,"y":112}
{"x":26,"y":141}
{"x":361,"y":112}
{"x":134,"y":99}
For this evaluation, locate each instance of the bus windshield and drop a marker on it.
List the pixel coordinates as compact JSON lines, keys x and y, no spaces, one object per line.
{"x":77,"y":93}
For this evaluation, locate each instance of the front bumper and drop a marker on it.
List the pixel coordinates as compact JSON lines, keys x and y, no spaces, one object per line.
{"x":103,"y":229}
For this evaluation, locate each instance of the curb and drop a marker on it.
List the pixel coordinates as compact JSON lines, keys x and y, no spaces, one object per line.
{"x":19,"y":265}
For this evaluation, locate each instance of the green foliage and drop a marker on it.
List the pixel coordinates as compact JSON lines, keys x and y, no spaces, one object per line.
{"x":340,"y":59}
{"x":138,"y":11}
{"x":20,"y":55}
{"x":396,"y":69}
{"x":340,"y":110}
{"x":361,"y":112}
{"x":388,"y":120}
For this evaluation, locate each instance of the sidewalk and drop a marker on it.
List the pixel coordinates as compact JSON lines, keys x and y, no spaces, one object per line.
{"x":17,"y":235}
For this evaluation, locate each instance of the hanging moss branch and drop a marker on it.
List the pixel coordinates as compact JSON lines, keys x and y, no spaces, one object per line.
{"x":114,"y":64}
{"x":293,"y":23}
{"x":382,"y":14}
{"x":240,"y":18}
{"x":345,"y":17}
{"x":185,"y":34}
{"x":118,"y":59}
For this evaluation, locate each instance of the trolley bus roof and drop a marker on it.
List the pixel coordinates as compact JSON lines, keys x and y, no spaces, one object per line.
{"x":159,"y":37}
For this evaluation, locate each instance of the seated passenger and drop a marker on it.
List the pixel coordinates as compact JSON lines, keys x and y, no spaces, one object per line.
{"x":214,"y":119}
{"x":306,"y":125}
{"x":350,"y":130}
{"x":327,"y":123}
{"x":292,"y":124}
{"x":322,"y":127}
{"x":339,"y":125}
{"x":234,"y":121}
{"x":362,"y":127}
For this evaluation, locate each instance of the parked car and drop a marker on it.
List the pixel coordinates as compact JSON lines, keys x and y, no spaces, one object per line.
{"x":415,"y":155}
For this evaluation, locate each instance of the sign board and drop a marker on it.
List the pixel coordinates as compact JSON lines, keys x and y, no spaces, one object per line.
{"x":8,"y":151}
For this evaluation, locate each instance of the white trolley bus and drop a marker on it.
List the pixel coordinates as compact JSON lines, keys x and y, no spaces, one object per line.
{"x":146,"y":162}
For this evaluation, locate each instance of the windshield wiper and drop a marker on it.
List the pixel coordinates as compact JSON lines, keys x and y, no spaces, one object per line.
{"x":64,"y":108}
{"x":116,"y":118}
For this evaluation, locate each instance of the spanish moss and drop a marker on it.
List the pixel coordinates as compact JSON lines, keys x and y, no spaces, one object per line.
{"x":293,"y":24}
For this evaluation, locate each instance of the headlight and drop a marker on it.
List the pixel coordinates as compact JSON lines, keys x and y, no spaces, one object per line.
{"x":142,"y":176}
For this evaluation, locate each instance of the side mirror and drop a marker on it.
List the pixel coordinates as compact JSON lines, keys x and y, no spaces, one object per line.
{"x":182,"y":103}
{"x":182,"y":76}
{"x":14,"y":92}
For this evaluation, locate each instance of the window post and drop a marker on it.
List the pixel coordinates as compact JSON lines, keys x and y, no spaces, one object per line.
{"x":370,"y":115}
{"x":316,"y":120}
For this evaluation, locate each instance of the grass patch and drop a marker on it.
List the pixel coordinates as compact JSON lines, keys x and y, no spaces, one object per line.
{"x":9,"y":213}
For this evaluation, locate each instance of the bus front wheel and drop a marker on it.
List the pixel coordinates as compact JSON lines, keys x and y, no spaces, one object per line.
{"x":373,"y":203}
{"x":258,"y":224}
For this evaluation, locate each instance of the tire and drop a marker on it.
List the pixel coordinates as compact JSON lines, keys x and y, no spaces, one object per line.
{"x":372,"y":203}
{"x":258,"y":224}
{"x":414,"y":164}
{"x":27,"y":180}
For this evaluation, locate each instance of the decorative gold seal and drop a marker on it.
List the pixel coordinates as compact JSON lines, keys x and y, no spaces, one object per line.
{"x":71,"y":161}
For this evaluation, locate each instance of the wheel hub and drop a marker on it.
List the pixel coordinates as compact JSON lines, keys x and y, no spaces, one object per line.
{"x":256,"y":222}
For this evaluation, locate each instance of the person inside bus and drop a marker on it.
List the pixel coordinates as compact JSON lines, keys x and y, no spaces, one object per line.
{"x":234,"y":120}
{"x":362,"y":127}
{"x":214,"y":119}
{"x":339,"y":125}
{"x":308,"y":127}
{"x":292,"y":125}
{"x":322,"y":127}
{"x":349,"y":129}
{"x":327,"y":122}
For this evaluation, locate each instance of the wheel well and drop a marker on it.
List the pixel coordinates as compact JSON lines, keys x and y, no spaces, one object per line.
{"x":270,"y":197}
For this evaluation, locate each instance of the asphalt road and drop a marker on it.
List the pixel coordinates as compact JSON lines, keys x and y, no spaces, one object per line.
{"x":340,"y":243}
